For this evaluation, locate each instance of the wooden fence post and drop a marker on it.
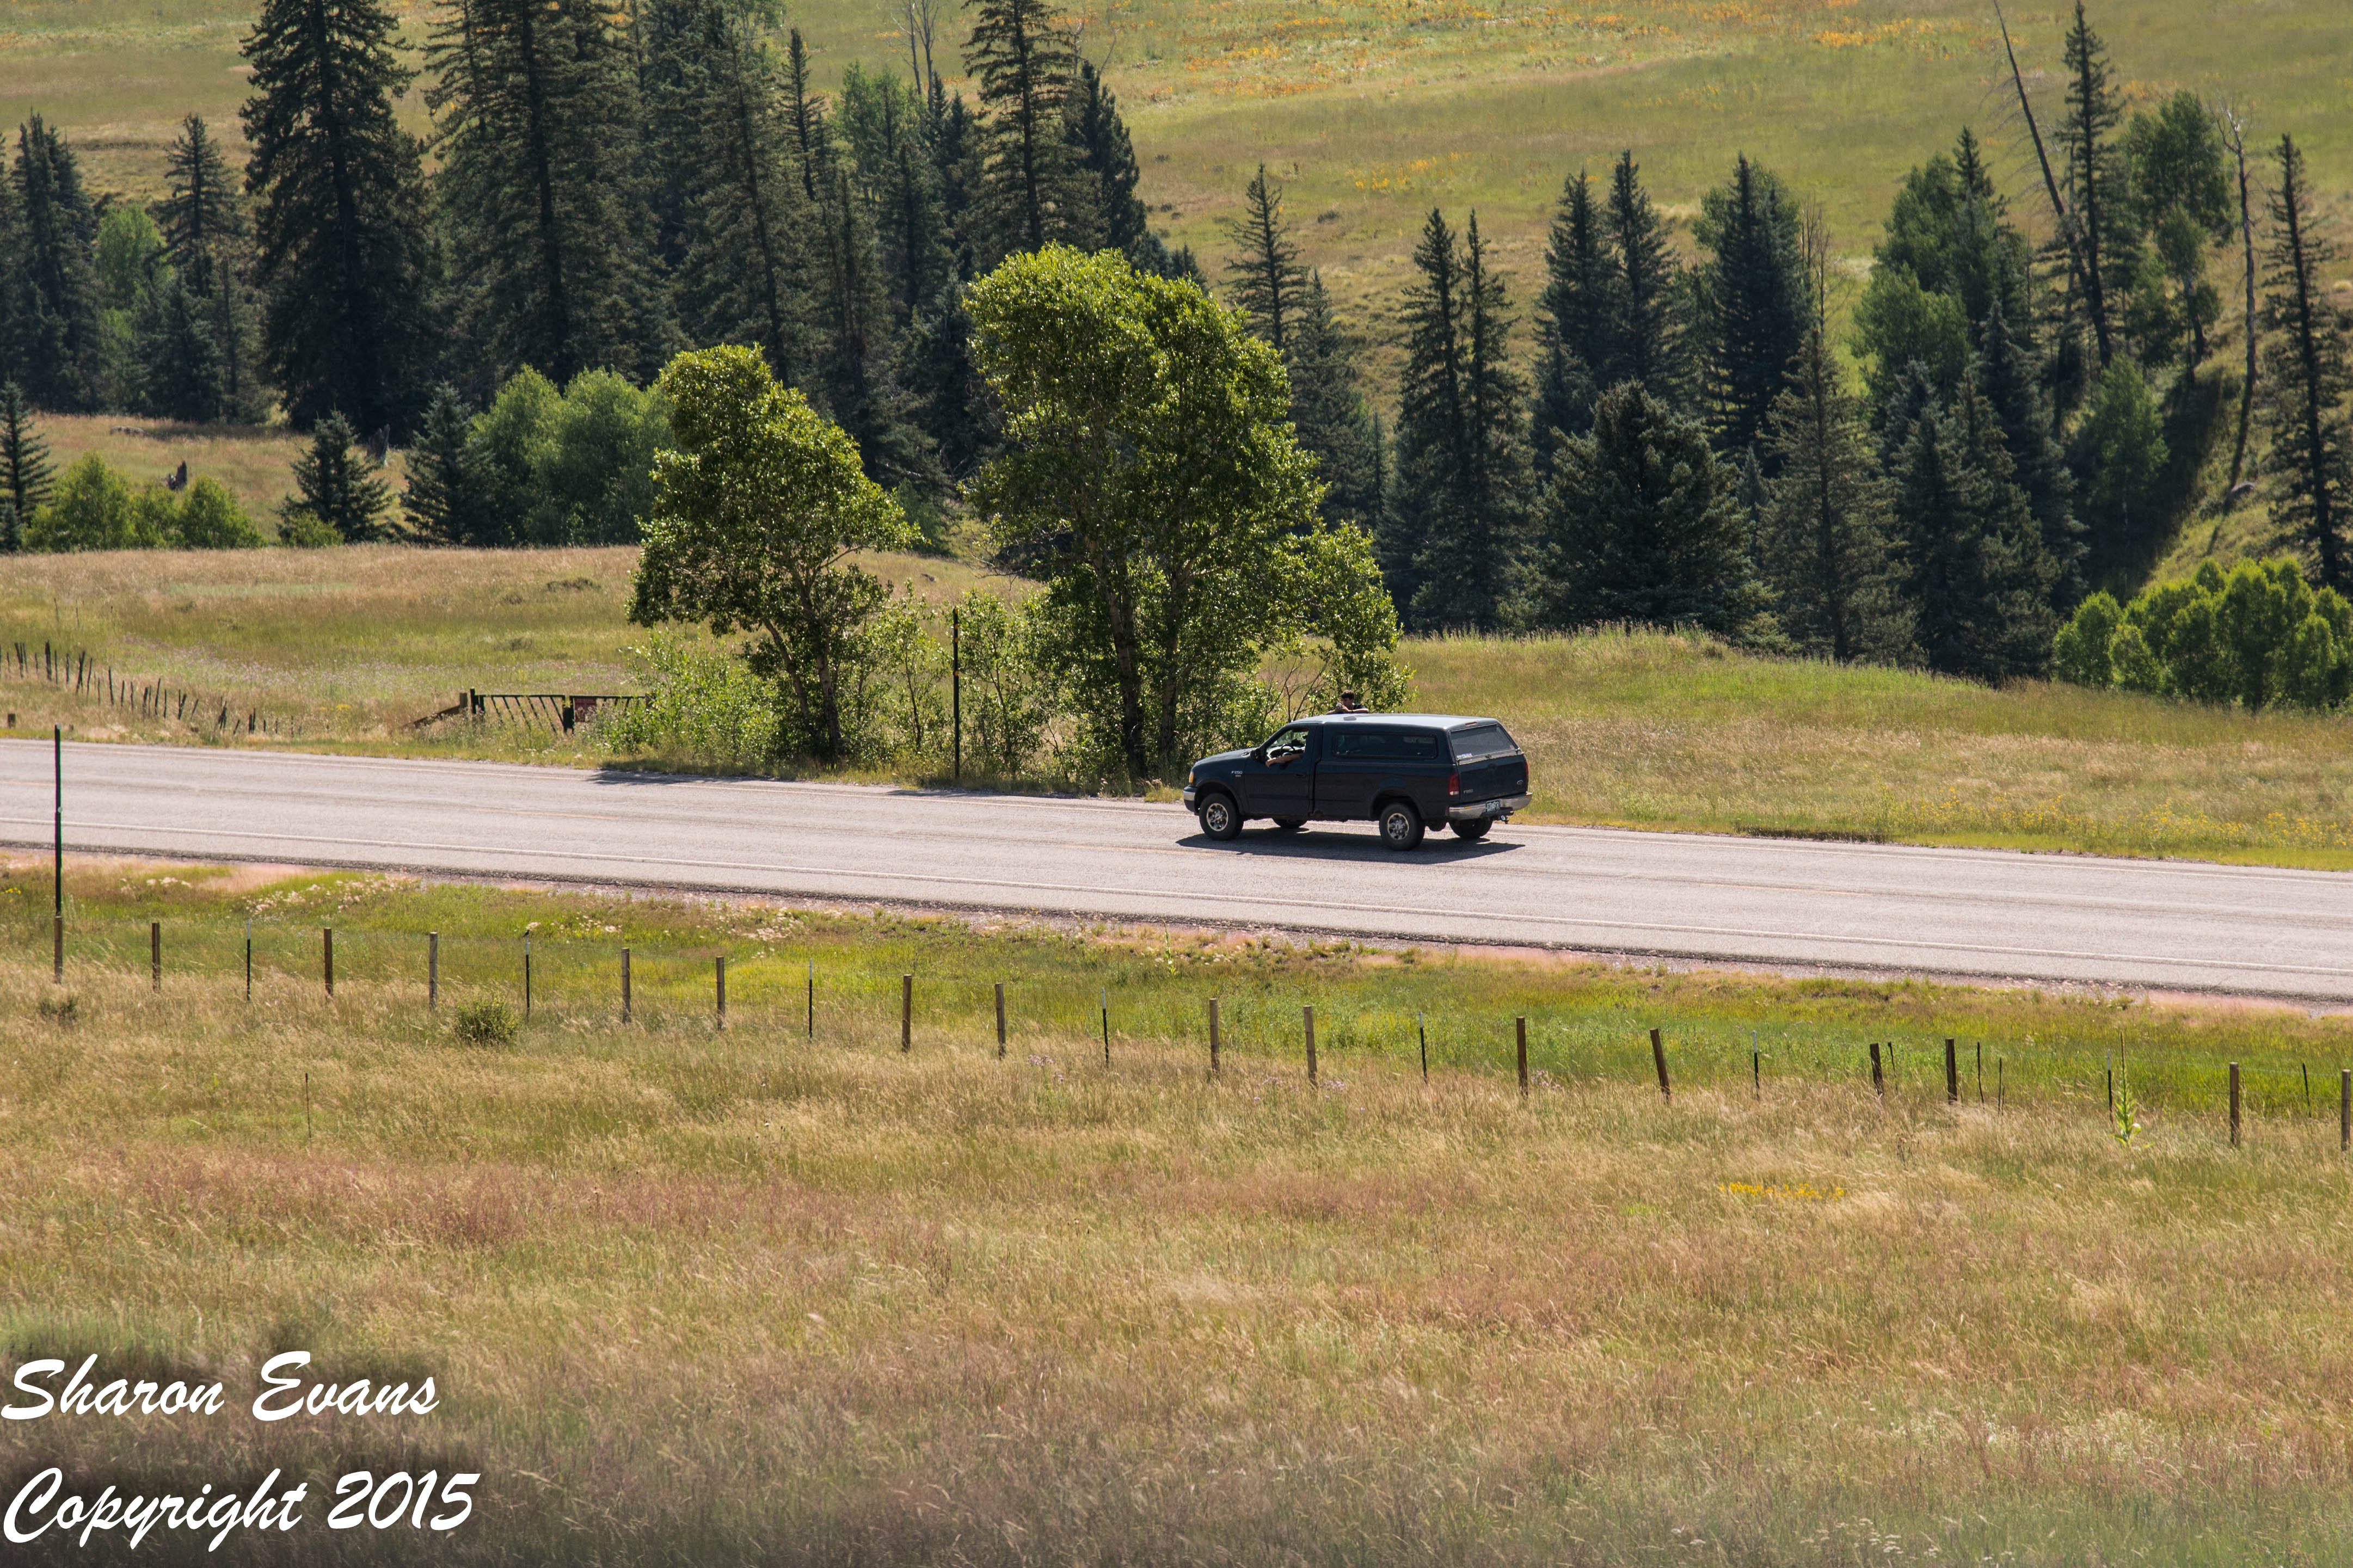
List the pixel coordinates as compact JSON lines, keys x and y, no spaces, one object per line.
{"x":2344,"y":1109}
{"x":526,"y":974}
{"x":327,"y":955}
{"x":1308,"y":1014}
{"x":1952,"y":1074}
{"x":1659,"y":1055}
{"x":1213,"y":1037}
{"x":1421,"y":1028}
{"x":1000,"y":1020}
{"x":156,"y":954}
{"x":1521,"y":1028}
{"x":906,"y":1013}
{"x":1106,"y":1025}
{"x":625,"y":998}
{"x":812,"y":999}
{"x":432,"y":971}
{"x":1878,"y":1084}
{"x":719,"y":981}
{"x":2234,"y":1105}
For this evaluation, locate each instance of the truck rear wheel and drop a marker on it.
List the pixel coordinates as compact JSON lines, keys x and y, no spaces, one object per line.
{"x":1220,"y":818}
{"x":1474,"y":830}
{"x":1400,"y":825}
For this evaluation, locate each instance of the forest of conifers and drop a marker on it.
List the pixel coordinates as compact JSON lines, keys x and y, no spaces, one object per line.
{"x":1938,"y":469}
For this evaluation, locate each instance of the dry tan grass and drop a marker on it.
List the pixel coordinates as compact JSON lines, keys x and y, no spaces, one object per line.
{"x":736,"y":1298}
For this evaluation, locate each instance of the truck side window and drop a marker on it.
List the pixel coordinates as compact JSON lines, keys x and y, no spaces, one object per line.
{"x":1288,"y":745}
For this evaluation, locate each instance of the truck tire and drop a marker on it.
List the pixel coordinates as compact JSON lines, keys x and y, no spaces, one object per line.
{"x":1401,"y":824}
{"x":1474,"y":830}
{"x":1288,"y":824}
{"x":1220,"y":818}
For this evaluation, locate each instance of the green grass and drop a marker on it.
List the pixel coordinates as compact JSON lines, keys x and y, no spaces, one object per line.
{"x":344,"y":649}
{"x":717,"y":1298}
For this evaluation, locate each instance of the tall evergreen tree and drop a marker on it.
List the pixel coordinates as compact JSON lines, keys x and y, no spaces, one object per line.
{"x":741,"y":219}
{"x":1033,"y":189}
{"x":447,"y":490}
{"x":2306,"y":374}
{"x":1978,"y":576}
{"x":550,"y":237}
{"x":341,"y":247}
{"x":1824,"y":530}
{"x":954,"y":137}
{"x":1648,"y":346}
{"x":1106,"y":158}
{"x":58,"y":345}
{"x":1640,"y":524}
{"x":811,"y":139}
{"x":2005,"y":375}
{"x":1753,"y":291}
{"x":334,"y":483}
{"x":882,"y":120}
{"x":2098,"y":199}
{"x":28,"y":478}
{"x":856,"y":372}
{"x":1449,"y":550}
{"x":1329,"y":414}
{"x":183,"y":375}
{"x":952,"y":403}
{"x":1267,"y":282}
{"x":1577,"y":318}
{"x":207,"y":236}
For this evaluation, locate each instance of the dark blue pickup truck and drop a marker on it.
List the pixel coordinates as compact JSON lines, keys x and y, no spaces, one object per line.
{"x":1407,"y":771}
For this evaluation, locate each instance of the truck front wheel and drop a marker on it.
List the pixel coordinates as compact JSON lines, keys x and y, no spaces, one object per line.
{"x":1400,"y":825}
{"x":1221,"y":819}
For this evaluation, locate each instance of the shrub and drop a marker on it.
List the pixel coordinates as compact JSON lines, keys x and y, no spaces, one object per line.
{"x":210,"y":519}
{"x":306,"y":530}
{"x":486,"y":1023}
{"x":706,"y":705}
{"x":65,"y":1012}
{"x":2258,"y":636}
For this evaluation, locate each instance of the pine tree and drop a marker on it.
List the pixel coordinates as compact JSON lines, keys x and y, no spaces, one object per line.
{"x":1640,"y":524}
{"x":1648,"y":346}
{"x":2306,"y":374}
{"x":855,"y":375}
{"x":2004,"y":374}
{"x":27,"y":479}
{"x":1451,"y":548}
{"x":550,"y":237}
{"x":1267,"y":282}
{"x":883,"y":122}
{"x":207,"y":236}
{"x":341,"y":249}
{"x":182,"y":368}
{"x":1470,"y":575}
{"x":2095,"y":185}
{"x":954,"y":139}
{"x":952,"y":403}
{"x":448,"y":492}
{"x":1978,"y":576}
{"x":1329,"y":414}
{"x":1576,"y":322}
{"x":1106,"y":157}
{"x":1753,"y":291}
{"x":58,"y":348}
{"x":742,"y":272}
{"x":333,"y":483}
{"x":810,"y":138}
{"x":1824,"y":529}
{"x":1032,"y":191}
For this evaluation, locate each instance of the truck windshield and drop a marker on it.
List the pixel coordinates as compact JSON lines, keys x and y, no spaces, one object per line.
{"x":1477,"y":743}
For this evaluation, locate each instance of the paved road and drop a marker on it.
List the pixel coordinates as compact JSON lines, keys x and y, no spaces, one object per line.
{"x":2173,"y":925}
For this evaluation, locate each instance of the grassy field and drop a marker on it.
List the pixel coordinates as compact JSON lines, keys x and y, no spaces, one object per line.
{"x":346,"y":647}
{"x":747,"y":1296}
{"x":256,"y":463}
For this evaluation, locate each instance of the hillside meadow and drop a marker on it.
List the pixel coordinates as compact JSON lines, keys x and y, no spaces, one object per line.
{"x":345,"y":649}
{"x":1374,"y":110}
{"x":773,"y":1296}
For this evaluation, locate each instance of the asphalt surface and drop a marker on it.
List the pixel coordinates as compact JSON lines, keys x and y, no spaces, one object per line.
{"x":2167,"y":925}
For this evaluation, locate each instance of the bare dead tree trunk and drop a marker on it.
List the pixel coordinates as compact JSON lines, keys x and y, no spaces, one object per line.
{"x":2234,"y":135}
